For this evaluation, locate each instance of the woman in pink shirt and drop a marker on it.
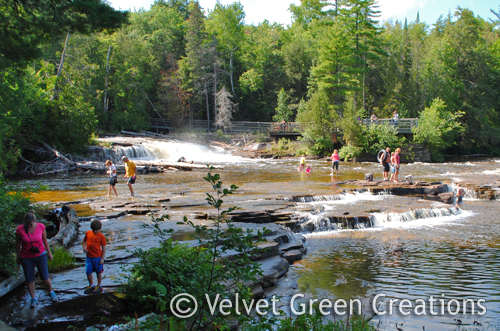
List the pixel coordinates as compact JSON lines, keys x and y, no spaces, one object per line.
{"x":33,"y":249}
{"x":335,"y":161}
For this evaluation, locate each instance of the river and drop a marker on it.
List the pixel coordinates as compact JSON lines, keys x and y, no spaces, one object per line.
{"x":453,"y":256}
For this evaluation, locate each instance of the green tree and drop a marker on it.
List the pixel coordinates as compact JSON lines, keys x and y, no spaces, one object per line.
{"x":25,"y":24}
{"x":283,"y":111}
{"x":437,"y":128}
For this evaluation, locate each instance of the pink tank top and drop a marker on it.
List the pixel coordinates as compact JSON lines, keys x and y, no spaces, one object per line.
{"x":36,"y":240}
{"x":335,"y":157}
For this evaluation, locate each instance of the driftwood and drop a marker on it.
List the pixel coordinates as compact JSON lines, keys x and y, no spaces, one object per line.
{"x":68,"y":231}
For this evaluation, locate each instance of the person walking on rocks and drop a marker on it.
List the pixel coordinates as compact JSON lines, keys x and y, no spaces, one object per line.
{"x":32,"y":249}
{"x":130,"y":173}
{"x":94,"y":245}
{"x":385,"y":161}
{"x":397,"y":163}
{"x":459,"y":196}
{"x":112,"y":174}
{"x":335,"y":161}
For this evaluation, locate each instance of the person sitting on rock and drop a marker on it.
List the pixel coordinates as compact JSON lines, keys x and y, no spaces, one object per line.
{"x":459,"y":196}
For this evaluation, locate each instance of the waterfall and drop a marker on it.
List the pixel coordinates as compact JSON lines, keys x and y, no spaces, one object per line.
{"x":167,"y":150}
{"x":310,"y":222}
{"x":380,"y":219}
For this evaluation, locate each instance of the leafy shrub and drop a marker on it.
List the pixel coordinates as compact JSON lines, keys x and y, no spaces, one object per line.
{"x":63,"y":260}
{"x":308,"y":322}
{"x":380,"y":136}
{"x":350,"y":152}
{"x":171,"y":269}
{"x":260,"y":137}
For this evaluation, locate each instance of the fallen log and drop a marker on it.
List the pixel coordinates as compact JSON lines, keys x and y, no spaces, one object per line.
{"x":59,"y":155}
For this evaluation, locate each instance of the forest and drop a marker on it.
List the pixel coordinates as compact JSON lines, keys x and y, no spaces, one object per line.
{"x":73,"y":69}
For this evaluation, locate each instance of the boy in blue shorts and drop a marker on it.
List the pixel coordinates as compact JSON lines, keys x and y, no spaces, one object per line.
{"x":94,"y":244}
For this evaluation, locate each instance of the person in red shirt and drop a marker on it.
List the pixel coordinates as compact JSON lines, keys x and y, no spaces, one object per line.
{"x":94,"y":244}
{"x":32,"y":249}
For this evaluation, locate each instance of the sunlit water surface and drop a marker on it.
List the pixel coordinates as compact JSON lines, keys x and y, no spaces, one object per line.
{"x":457,"y":256}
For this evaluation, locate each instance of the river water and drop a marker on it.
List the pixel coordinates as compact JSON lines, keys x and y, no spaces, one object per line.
{"x":455,"y":256}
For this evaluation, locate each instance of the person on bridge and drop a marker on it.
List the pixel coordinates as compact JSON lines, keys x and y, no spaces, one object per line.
{"x":395,"y":118}
{"x":373,"y":118}
{"x":130,"y":173}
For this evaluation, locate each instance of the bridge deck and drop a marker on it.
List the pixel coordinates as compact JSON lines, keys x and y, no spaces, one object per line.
{"x":276,"y":129}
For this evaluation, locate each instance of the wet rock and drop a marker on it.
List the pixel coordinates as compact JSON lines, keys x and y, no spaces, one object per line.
{"x":292,"y":255}
{"x":442,"y":197}
{"x":108,"y":215}
{"x":163,"y":200}
{"x":296,"y":244}
{"x":272,"y":269}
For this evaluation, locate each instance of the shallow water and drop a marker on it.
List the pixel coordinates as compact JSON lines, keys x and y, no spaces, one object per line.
{"x":454,"y":255}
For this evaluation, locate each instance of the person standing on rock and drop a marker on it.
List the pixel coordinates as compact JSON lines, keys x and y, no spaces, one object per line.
{"x":385,"y":161}
{"x":397,"y":163}
{"x":130,"y":173}
{"x":112,"y":174}
{"x":94,"y":245}
{"x":459,"y":196}
{"x":32,"y":249}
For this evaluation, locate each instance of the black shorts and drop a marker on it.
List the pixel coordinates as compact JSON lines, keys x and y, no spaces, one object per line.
{"x":113,"y":181}
{"x":335,"y":165}
{"x":459,"y":200}
{"x":387,"y":167}
{"x":131,"y":180}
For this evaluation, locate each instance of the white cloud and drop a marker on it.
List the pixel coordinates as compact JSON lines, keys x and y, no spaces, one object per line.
{"x":398,"y":10}
{"x":256,"y":11}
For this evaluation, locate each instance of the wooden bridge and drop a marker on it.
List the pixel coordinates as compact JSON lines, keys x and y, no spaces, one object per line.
{"x":277,"y":129}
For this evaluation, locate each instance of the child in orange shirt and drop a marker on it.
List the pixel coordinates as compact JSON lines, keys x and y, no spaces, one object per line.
{"x":94,"y":244}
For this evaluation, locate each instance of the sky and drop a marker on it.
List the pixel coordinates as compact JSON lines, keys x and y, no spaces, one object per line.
{"x":277,"y":10}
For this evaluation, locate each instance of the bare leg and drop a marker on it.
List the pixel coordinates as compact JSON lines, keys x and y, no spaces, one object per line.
{"x":99,"y":279}
{"x":131,"y":188}
{"x":31,"y":288}
{"x":48,"y":284}
{"x":90,"y":279}
{"x":109,"y":190}
{"x":396,"y":175}
{"x":114,"y":188}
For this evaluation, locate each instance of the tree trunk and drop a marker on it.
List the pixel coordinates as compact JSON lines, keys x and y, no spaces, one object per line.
{"x":231,"y":73}
{"x":106,"y":86}
{"x":215,"y":91}
{"x":206,"y":99}
{"x":55,"y":96}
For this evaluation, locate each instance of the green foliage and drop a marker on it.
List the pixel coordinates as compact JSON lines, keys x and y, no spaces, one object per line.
{"x":63,"y":260}
{"x":283,"y":147}
{"x":260,"y":137}
{"x":14,"y":204}
{"x":171,"y":269}
{"x":308,"y":322}
{"x":381,"y":136}
{"x":283,"y":111}
{"x":350,"y":152}
{"x":437,"y":128}
{"x":352,"y":129}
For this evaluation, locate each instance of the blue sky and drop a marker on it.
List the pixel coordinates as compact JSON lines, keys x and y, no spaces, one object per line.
{"x":277,"y":10}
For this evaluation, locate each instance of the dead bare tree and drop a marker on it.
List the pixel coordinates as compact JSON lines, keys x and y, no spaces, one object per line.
{"x":226,"y":107}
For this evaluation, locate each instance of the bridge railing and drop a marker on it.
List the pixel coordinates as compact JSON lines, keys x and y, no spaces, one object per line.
{"x":403,"y":125}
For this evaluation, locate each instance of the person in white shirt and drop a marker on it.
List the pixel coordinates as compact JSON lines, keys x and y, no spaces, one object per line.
{"x":112,"y":173}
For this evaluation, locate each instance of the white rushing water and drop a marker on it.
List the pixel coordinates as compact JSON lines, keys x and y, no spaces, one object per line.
{"x":169,"y":150}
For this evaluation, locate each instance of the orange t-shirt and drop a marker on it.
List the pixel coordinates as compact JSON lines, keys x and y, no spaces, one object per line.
{"x":94,"y":243}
